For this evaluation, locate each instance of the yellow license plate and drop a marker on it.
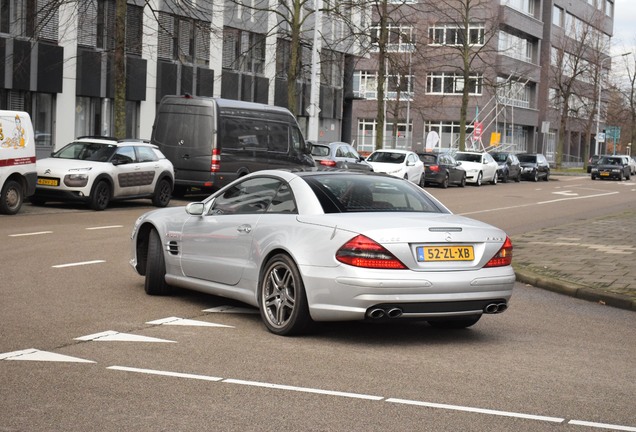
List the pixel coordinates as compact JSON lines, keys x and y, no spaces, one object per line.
{"x":445,"y":253}
{"x":604,"y":174}
{"x":48,"y":181}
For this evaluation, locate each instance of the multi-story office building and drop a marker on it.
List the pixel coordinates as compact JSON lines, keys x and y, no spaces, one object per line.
{"x":519,"y":53}
{"x":58,"y":62}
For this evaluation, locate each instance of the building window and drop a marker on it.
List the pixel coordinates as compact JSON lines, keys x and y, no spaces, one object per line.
{"x":513,"y":93}
{"x":365,"y":85}
{"x":397,"y":135}
{"x":184,"y":39}
{"x":525,"y":6}
{"x":331,"y":68}
{"x":451,"y":34}
{"x":515,"y":47}
{"x":609,"y":8}
{"x":243,"y":51}
{"x":43,"y":119}
{"x":557,"y":16}
{"x":447,"y":131}
{"x":401,"y":38}
{"x":448,"y":83}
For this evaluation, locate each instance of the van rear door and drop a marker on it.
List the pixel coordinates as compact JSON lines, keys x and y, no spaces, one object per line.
{"x":184,"y":133}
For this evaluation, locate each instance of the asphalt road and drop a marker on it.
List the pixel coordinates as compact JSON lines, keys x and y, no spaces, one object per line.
{"x":550,"y":363}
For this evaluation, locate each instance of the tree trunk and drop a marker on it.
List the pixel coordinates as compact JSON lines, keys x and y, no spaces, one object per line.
{"x":120,"y":69}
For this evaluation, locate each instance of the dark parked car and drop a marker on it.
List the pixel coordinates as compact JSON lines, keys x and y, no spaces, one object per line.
{"x":442,"y":169}
{"x":592,"y":163}
{"x":611,"y":167}
{"x":338,"y":155}
{"x":509,"y":166}
{"x":534,"y":166}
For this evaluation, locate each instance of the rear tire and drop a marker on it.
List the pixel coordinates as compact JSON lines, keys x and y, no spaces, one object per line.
{"x":11,"y":197}
{"x":445,"y":182}
{"x":463,"y":182}
{"x":479,"y":177}
{"x":454,"y":323}
{"x":100,"y":196}
{"x":155,"y":283}
{"x":163,"y":193}
{"x":282,"y":299}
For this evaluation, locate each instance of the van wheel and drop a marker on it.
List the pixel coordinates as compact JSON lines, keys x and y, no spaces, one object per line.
{"x":100,"y":197}
{"x":163,"y":192}
{"x":11,"y":197}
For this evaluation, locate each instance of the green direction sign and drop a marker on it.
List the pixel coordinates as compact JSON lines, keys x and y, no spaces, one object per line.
{"x":613,"y":132}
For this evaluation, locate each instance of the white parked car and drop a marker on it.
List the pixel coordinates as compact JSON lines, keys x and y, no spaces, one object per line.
{"x":399,"y":163}
{"x":98,"y":170}
{"x":480,"y":167}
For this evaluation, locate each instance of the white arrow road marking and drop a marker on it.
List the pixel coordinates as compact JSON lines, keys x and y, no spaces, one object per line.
{"x":113,"y":336}
{"x":104,"y":227}
{"x":33,"y":354}
{"x":31,"y":234}
{"x":231,"y":309}
{"x":78,"y":264}
{"x":185,"y":322}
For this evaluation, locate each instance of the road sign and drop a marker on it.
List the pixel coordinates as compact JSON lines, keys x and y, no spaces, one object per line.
{"x":600,"y":137}
{"x":613,"y":132}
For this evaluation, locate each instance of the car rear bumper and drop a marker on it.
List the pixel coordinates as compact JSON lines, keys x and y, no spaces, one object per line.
{"x":416,"y":294}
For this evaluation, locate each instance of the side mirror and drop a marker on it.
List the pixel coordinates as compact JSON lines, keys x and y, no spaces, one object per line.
{"x":195,"y":208}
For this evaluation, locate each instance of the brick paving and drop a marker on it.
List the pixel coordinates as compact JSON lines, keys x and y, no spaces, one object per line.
{"x":592,"y":259}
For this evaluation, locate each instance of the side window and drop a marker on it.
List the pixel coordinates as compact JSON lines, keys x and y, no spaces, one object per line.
{"x":250,"y":196}
{"x":353,"y":153}
{"x":243,"y":135}
{"x":125,"y":154}
{"x":341,"y":152}
{"x":297,"y":139}
{"x":278,"y":138}
{"x":146,"y":154}
{"x":283,"y":201}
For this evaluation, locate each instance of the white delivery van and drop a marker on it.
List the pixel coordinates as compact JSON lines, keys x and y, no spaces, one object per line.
{"x":17,"y":160}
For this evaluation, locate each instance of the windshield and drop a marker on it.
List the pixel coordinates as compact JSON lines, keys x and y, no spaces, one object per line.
{"x":387,"y":157}
{"x":500,"y":157}
{"x":610,"y":161}
{"x":346,"y":193}
{"x":97,"y":152}
{"x":468,"y":157}
{"x":527,"y":158}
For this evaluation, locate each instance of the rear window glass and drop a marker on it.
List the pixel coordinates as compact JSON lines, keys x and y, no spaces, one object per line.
{"x":184,"y":125}
{"x":369,"y":193}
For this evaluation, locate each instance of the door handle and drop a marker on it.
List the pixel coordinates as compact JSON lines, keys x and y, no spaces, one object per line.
{"x":244,"y":228}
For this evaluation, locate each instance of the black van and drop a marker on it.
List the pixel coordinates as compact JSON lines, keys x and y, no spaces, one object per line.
{"x":212,"y":141}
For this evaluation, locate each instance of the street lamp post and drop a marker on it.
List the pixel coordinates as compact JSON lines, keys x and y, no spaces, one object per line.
{"x":598,"y":105}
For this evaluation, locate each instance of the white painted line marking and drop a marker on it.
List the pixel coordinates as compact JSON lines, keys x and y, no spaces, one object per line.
{"x":532,"y":204}
{"x":78,"y":264}
{"x":164,"y":373}
{"x":231,"y":309}
{"x":113,"y":336}
{"x":602,"y":425}
{"x":477,"y":410}
{"x":185,"y":322}
{"x":303,"y":389}
{"x":33,"y":354}
{"x":379,"y":398}
{"x":30,"y":234}
{"x":104,"y":227}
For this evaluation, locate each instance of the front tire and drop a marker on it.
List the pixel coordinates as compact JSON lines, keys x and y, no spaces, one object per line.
{"x":463,"y":182}
{"x":479,"y":178}
{"x":155,"y":283}
{"x":100,"y":197}
{"x":11,"y":197}
{"x":163,"y":193}
{"x":445,"y":182}
{"x":281,"y":297}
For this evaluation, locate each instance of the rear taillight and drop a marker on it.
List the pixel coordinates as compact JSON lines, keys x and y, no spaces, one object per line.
{"x":361,"y":251}
{"x":328,"y":163}
{"x":434,"y":168}
{"x":503,"y":257}
{"x":215,"y":165}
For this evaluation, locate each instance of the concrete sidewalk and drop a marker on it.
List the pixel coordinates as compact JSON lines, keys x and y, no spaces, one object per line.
{"x":593,"y":259}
